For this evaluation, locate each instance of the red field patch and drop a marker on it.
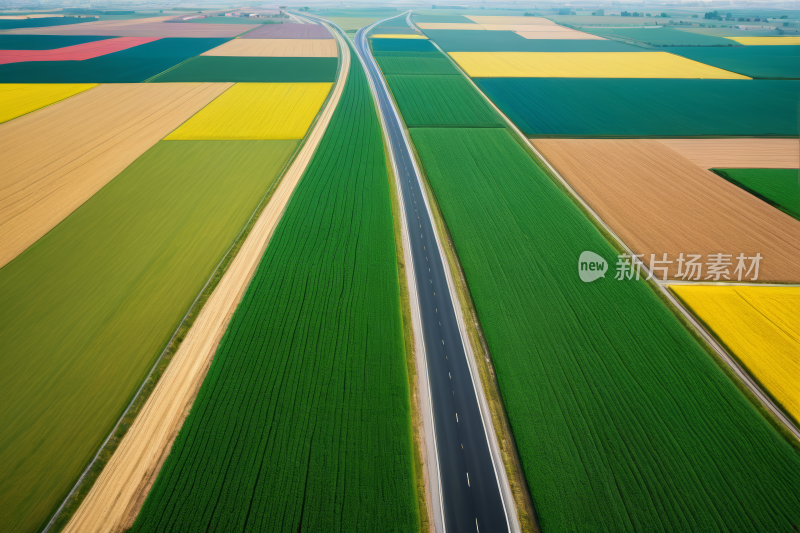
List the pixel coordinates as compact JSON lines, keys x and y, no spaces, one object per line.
{"x":78,"y":52}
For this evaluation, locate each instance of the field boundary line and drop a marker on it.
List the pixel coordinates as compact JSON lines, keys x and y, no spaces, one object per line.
{"x":122,"y":486}
{"x":151,"y":78}
{"x":721,"y":352}
{"x":426,"y":402}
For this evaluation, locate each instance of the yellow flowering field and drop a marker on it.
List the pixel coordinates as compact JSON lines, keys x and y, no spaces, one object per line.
{"x":256,"y":111}
{"x":17,"y":99}
{"x":585,"y":65}
{"x":761,"y":326}
{"x":767,"y":41}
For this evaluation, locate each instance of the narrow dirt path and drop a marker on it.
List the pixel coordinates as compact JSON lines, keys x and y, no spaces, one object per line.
{"x":118,"y":494}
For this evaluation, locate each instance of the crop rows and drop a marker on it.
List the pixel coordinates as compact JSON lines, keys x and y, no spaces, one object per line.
{"x":303,"y":422}
{"x":642,"y":107}
{"x":759,"y":326}
{"x":585,"y":65}
{"x":253,"y":70}
{"x":89,"y":306}
{"x":21,"y":98}
{"x":252,"y":111}
{"x":622,"y":421}
{"x":414,"y":63}
{"x":777,"y":186}
{"x":440,"y":100}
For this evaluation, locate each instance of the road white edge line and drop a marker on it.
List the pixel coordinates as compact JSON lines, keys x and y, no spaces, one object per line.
{"x":748,"y":381}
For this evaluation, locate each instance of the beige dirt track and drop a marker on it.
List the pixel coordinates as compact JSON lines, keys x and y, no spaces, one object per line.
{"x":738,"y":153}
{"x":56,"y":158}
{"x":116,"y":497}
{"x":657,"y":202}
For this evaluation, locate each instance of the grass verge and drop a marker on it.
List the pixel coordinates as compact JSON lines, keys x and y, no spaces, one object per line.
{"x":417,"y":431}
{"x":508,"y":448}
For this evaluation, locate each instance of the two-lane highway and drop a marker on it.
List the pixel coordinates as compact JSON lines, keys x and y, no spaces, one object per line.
{"x":471,"y":498}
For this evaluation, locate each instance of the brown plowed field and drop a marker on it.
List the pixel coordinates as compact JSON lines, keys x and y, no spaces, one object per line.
{"x":56,"y":158}
{"x":119,"y":492}
{"x":657,"y":201}
{"x":275,"y":48}
{"x":738,"y":153}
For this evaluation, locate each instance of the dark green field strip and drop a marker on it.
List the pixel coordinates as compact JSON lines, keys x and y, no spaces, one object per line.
{"x":414,"y":63}
{"x":457,"y":19}
{"x":622,"y":421}
{"x":88,"y":308}
{"x":396,"y":22}
{"x":753,"y":61}
{"x":662,"y":36}
{"x":303,"y":422}
{"x":253,"y":69}
{"x":441,"y":101}
{"x":779,"y":187}
{"x":402,"y":45}
{"x":508,"y":41}
{"x":11,"y":24}
{"x":133,"y":65}
{"x":646,"y":107}
{"x":44,"y":42}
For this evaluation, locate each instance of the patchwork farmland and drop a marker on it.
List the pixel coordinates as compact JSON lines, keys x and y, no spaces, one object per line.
{"x":246,"y":252}
{"x":323,"y":313}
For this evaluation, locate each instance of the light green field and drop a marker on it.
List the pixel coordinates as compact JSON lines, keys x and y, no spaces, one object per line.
{"x":89,"y":307}
{"x":354,"y":23}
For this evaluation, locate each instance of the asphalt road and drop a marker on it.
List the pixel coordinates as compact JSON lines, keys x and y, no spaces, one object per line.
{"x":471,"y":498}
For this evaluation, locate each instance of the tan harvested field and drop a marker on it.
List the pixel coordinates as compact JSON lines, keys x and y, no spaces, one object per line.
{"x":119,"y":492}
{"x":571,"y":35}
{"x":56,"y":158}
{"x":657,"y":202}
{"x":527,"y":21}
{"x":275,"y":48}
{"x":738,"y":153}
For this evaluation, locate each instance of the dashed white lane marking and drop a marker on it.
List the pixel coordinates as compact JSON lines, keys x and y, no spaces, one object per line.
{"x":456,"y":418}
{"x":468,"y":485}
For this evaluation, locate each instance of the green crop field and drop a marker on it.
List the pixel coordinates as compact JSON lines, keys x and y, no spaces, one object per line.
{"x":755,"y":61}
{"x":402,"y":45}
{"x":576,"y":107}
{"x":89,"y":307}
{"x":661,"y":36}
{"x":441,"y":100}
{"x":623,"y":422}
{"x":779,"y":187}
{"x":253,"y":69}
{"x":303,"y":422}
{"x":414,"y":63}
